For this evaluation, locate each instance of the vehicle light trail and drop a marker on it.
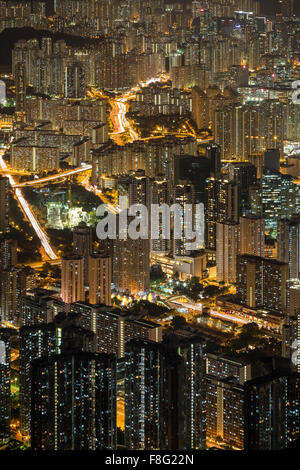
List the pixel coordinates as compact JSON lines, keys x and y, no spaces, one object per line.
{"x":230,"y":317}
{"x":35,"y":224}
{"x":187,"y":305}
{"x":120,"y":121}
{"x":53,"y":177}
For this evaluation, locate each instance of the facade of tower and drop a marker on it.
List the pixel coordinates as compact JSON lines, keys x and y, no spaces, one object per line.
{"x":252,"y":236}
{"x":114,"y":328}
{"x":72,"y":279}
{"x":143,"y":375}
{"x":11,"y":290}
{"x":228,"y":246}
{"x":44,"y":341}
{"x":39,"y":306}
{"x":222,"y":205}
{"x":184,"y":197}
{"x":35,"y":341}
{"x":194,"y":395}
{"x":288,"y":245}
{"x":245,"y":175}
{"x":20,"y":87}
{"x":74,"y":81}
{"x":136,"y":187}
{"x":160,"y":195}
{"x":8,"y":251}
{"x":213,"y":153}
{"x":287,"y":7}
{"x":194,"y":170}
{"x":165,"y":401}
{"x":279,"y":197}
{"x":131,"y":260}
{"x":225,"y":398}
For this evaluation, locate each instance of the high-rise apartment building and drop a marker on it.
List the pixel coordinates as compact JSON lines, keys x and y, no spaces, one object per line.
{"x":222,"y":205}
{"x":245,"y":175}
{"x":225,"y":412}
{"x":287,"y":7}
{"x":11,"y":290}
{"x":250,"y":128}
{"x":280,"y":197}
{"x":194,"y":170}
{"x":43,"y":341}
{"x":74,"y":81}
{"x":271,"y":160}
{"x":4,"y":204}
{"x":154,"y":156}
{"x":136,"y":187}
{"x":160,"y":196}
{"x":228,"y":247}
{"x":226,"y":377}
{"x":113,"y":328}
{"x":8,"y":251}
{"x":252,"y":236}
{"x":39,"y":306}
{"x":291,"y":326}
{"x":5,"y":378}
{"x":221,"y":366}
{"x":100,"y":278}
{"x":142,"y":395}
{"x":74,"y":401}
{"x":205,"y":103}
{"x":72,"y":279}
{"x":272,"y":412}
{"x":21,"y":80}
{"x":165,"y":404}
{"x":193,"y":395}
{"x":213,"y":153}
{"x":83,"y":245}
{"x":34,"y":158}
{"x":288,"y":245}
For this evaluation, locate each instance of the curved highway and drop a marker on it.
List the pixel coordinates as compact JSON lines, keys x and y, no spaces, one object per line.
{"x":29,"y":214}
